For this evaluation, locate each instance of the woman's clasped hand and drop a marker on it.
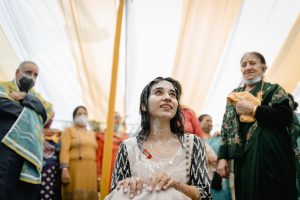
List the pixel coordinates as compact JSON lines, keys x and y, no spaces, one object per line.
{"x":133,"y":186}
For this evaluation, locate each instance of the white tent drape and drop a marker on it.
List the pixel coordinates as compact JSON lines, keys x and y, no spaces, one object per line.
{"x":90,"y":30}
{"x":35,"y":32}
{"x":152,"y":32}
{"x":58,"y":36}
{"x":205,"y":28}
{"x":261,"y":27}
{"x":8,"y":58}
{"x":287,"y":62}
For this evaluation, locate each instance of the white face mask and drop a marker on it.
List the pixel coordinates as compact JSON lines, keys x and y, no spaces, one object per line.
{"x":252,"y":81}
{"x":81,"y":120}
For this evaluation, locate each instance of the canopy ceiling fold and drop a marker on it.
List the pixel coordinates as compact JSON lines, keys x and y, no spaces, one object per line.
{"x":199,"y":42}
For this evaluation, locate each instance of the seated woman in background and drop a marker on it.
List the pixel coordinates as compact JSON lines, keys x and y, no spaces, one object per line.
{"x":78,"y":159}
{"x":161,"y":162}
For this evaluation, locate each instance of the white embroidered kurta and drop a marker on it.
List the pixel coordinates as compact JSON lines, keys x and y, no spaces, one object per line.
{"x":132,"y":163}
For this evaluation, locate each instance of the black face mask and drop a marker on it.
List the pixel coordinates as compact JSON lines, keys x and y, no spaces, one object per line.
{"x":25,"y":83}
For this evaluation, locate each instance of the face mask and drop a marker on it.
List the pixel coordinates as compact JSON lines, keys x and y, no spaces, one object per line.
{"x":81,"y":120}
{"x":253,"y":81}
{"x":25,"y":83}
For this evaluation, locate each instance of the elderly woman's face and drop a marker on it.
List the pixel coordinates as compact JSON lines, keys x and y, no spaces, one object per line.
{"x":251,"y":67}
{"x":162,"y":102}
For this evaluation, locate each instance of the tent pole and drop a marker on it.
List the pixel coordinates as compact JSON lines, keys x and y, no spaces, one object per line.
{"x":107,"y":153}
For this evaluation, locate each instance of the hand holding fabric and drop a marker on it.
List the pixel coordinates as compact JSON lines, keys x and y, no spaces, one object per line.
{"x":17,"y":96}
{"x":244,"y":107}
{"x":245,"y":104}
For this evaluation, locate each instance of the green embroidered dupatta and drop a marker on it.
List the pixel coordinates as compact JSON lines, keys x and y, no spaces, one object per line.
{"x":25,"y":137}
{"x":231,"y":144}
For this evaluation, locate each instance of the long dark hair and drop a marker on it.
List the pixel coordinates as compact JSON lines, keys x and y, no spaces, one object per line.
{"x":176,"y":122}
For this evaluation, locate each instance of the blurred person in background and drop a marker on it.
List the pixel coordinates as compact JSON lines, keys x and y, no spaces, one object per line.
{"x":23,"y":112}
{"x":220,"y":187}
{"x":206,"y":125}
{"x":118,"y":137}
{"x":191,"y":123}
{"x":78,"y":159}
{"x":51,"y":173}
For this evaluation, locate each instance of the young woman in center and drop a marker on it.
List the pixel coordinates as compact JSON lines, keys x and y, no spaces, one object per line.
{"x":161,"y":162}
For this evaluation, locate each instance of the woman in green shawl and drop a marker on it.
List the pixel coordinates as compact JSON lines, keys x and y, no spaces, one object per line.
{"x":256,"y":136}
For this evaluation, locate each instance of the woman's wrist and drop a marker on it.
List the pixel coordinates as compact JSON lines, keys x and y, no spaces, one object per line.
{"x":64,"y":165}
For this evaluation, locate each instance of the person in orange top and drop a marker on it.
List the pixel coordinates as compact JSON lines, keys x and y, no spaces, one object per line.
{"x":78,"y":159}
{"x":191,"y":123}
{"x":118,"y":137}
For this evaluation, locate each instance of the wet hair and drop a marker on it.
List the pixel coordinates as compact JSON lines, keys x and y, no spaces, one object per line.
{"x":76,"y":109}
{"x":201,"y":117}
{"x":257,"y":55}
{"x":294,"y":103}
{"x":176,"y":122}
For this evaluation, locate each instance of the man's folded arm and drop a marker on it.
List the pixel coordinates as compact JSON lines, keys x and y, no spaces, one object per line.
{"x":35,"y":104}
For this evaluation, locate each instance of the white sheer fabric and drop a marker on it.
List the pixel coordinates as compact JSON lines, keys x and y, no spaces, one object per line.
{"x":264,"y":32}
{"x":170,"y":194}
{"x":8,"y":58}
{"x":140,"y":166}
{"x":35,"y":32}
{"x":152,"y":29}
{"x":39,"y":31}
{"x":90,"y":30}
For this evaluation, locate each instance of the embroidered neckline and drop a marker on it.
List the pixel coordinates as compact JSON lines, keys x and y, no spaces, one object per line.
{"x":186,"y":147}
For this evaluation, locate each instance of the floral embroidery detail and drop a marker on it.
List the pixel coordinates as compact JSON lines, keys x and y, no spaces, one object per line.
{"x":235,"y":140}
{"x":280,"y":95}
{"x":251,"y":131}
{"x":249,"y":135}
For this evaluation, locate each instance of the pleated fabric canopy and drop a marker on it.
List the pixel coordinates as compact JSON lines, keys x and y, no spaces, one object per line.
{"x":198,"y":42}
